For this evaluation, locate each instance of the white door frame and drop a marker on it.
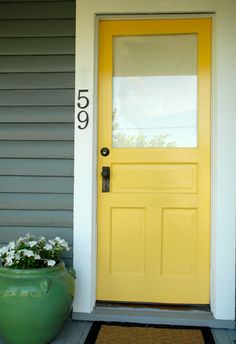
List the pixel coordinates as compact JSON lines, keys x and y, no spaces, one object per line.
{"x":223,"y":140}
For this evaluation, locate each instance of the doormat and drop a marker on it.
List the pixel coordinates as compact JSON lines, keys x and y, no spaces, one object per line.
{"x":125,"y":333}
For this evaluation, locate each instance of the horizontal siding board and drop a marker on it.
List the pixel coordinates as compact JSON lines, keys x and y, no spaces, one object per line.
{"x":13,"y":233}
{"x":42,"y":218}
{"x":37,"y":46}
{"x":45,"y":63}
{"x":17,"y":184}
{"x":36,"y":201}
{"x":37,"y":114}
{"x":37,"y":28}
{"x":38,"y":149}
{"x":37,"y":97}
{"x":37,"y":10}
{"x":15,"y":81}
{"x":36,"y":167}
{"x":31,"y":132}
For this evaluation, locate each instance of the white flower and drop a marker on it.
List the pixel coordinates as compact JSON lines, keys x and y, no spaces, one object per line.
{"x":58,"y":239}
{"x":42,"y":238}
{"x":47,"y":247}
{"x":32,"y":243}
{"x":9,"y":258}
{"x":8,"y":261}
{"x":52,"y":242}
{"x":16,"y":256}
{"x":19,"y":241}
{"x":37,"y":257}
{"x":61,"y":242}
{"x":3,"y":250}
{"x":11,"y":245}
{"x":51,"y":262}
{"x":11,"y":253}
{"x":28,"y":253}
{"x":65,"y":246}
{"x":28,"y":236}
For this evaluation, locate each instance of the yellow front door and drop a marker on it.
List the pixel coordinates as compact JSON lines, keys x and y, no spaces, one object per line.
{"x":154,"y":161}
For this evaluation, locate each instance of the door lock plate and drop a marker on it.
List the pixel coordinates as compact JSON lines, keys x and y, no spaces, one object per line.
{"x":105,"y":179}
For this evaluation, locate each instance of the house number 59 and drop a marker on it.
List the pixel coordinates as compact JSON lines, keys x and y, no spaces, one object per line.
{"x":83,"y":103}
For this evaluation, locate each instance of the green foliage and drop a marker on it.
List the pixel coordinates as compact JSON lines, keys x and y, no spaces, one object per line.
{"x":121,"y":140}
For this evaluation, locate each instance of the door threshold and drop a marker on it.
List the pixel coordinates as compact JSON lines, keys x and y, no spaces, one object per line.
{"x":154,"y":306}
{"x":148,"y":314}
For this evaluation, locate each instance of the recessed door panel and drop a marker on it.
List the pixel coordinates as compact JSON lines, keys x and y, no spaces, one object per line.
{"x":154,"y":178}
{"x":179,"y":238}
{"x":127,"y":224}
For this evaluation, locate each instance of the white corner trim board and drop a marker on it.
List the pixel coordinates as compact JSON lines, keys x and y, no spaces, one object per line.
{"x":222,"y":151}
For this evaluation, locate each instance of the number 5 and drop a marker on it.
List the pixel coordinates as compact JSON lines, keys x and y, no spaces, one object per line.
{"x":84,"y":99}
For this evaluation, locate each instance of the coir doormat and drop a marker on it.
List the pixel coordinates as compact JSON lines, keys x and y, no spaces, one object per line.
{"x":124,"y":333}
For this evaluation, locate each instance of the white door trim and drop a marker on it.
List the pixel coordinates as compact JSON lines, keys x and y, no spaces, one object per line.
{"x":223,"y":139}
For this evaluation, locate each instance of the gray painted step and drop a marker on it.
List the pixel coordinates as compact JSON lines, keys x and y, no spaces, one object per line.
{"x":154,"y":316}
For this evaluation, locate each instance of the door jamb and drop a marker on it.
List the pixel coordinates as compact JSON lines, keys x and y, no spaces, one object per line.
{"x":86,"y":150}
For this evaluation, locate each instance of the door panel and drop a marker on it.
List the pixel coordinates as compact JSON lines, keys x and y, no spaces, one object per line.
{"x":154,"y":116}
{"x":154,"y":178}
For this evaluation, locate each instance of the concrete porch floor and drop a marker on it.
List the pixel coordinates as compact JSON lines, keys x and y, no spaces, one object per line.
{"x":75,"y":332}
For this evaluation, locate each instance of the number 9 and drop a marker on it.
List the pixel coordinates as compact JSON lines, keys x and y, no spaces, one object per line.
{"x":83,"y":119}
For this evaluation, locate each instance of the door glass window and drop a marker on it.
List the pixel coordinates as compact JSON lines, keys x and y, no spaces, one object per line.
{"x":155,"y":91}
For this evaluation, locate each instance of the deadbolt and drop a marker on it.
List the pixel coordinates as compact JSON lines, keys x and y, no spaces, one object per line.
{"x":105,"y":151}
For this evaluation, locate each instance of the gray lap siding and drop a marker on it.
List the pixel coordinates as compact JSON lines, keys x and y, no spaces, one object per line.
{"x":37,"y":64}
